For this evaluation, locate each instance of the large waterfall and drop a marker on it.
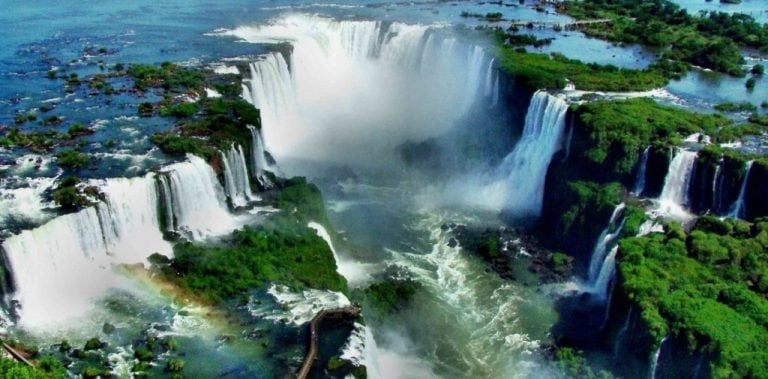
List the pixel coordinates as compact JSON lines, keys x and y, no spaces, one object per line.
{"x":198,"y":201}
{"x":674,"y":195}
{"x":350,"y":91}
{"x":61,"y":266}
{"x":737,"y":209}
{"x":524,"y":170}
{"x":236,"y":180}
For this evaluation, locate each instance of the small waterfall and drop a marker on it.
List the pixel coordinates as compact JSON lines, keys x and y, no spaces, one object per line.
{"x":60,"y":267}
{"x":198,"y":201}
{"x":236,"y":181}
{"x":495,"y":95}
{"x":607,"y":271}
{"x":259,"y":158}
{"x":717,"y":183}
{"x":353,"y":272}
{"x":737,"y":209}
{"x":655,"y":360}
{"x":674,"y":195}
{"x":569,"y":139}
{"x":165,"y":188}
{"x":488,"y":90}
{"x":525,"y":168}
{"x":622,"y":332}
{"x":605,"y":240}
{"x":641,"y":172}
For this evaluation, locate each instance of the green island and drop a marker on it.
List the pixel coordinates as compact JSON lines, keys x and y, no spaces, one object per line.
{"x":711,"y":40}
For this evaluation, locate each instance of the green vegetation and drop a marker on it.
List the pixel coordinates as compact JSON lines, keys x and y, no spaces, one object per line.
{"x":224,"y":121}
{"x":585,"y":200}
{"x":526,"y":40}
{"x":390,"y":296}
{"x":574,"y":365}
{"x":281,"y":250}
{"x":179,"y":110}
{"x":711,"y":39}
{"x":542,"y":71}
{"x":168,"y":76}
{"x":619,"y":130}
{"x":39,"y":142}
{"x":707,"y":286}
{"x":736,"y":107}
{"x":47,"y":367}
{"x":93,"y":344}
{"x":750,"y":84}
{"x":174,"y":365}
{"x":72,"y":159}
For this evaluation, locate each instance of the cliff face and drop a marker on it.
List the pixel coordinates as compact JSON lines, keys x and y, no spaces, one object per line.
{"x":755,"y":197}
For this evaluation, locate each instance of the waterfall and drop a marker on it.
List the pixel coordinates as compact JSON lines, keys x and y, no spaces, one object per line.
{"x":674,"y":195}
{"x":737,"y":209}
{"x":332,"y":97}
{"x":655,"y":360}
{"x":525,"y":169}
{"x":569,"y":139}
{"x":198,"y":201}
{"x":60,"y":267}
{"x":237,"y":185}
{"x":259,"y":158}
{"x":607,"y":271}
{"x":622,"y":332}
{"x":352,"y":271}
{"x":606,"y":239}
{"x":641,"y":172}
{"x":495,"y":95}
{"x":165,"y":188}
{"x":716,"y":185}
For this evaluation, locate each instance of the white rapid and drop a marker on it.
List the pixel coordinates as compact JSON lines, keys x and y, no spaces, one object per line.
{"x":523,"y":172}
{"x":674,"y":195}
{"x":198,"y":201}
{"x":259,"y":158}
{"x":237,"y":184}
{"x":350,"y":91}
{"x":607,"y":239}
{"x":641,"y":172}
{"x":737,"y":209}
{"x":61,"y":267}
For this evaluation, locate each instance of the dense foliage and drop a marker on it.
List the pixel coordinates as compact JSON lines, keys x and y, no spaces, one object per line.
{"x":707,"y":286}
{"x":542,"y":71}
{"x":390,"y":296}
{"x":47,"y":368}
{"x":281,"y":250}
{"x":168,"y":76}
{"x":710,"y":40}
{"x":586,"y":200}
{"x":620,"y":130}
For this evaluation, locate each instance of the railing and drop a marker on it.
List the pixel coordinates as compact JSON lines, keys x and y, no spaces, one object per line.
{"x":351,"y":312}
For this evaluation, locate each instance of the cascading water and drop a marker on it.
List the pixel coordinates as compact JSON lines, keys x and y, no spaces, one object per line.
{"x":66,"y":263}
{"x":607,"y":271}
{"x":622,"y":332}
{"x":392,"y":73}
{"x":737,"y":209}
{"x":259,"y":158}
{"x":349,"y":270}
{"x":641,"y":172}
{"x":674,"y":195}
{"x":237,"y":185}
{"x":607,"y":239}
{"x":165,"y":188}
{"x":716,"y":186}
{"x":655,"y":360}
{"x":524,"y":170}
{"x":198,"y":201}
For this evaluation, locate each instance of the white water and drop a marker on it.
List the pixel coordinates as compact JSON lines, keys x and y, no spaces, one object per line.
{"x":61,"y":267}
{"x":737,"y":209}
{"x":199,"y":204}
{"x":674,"y":195}
{"x":523,"y":172}
{"x":604,"y":241}
{"x":607,"y":271}
{"x":716,"y":184}
{"x":352,"y":91}
{"x":641,"y":172}
{"x":258,"y":158}
{"x":21,"y":201}
{"x":236,"y":181}
{"x":298,"y":308}
{"x":165,"y":188}
{"x":655,"y":360}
